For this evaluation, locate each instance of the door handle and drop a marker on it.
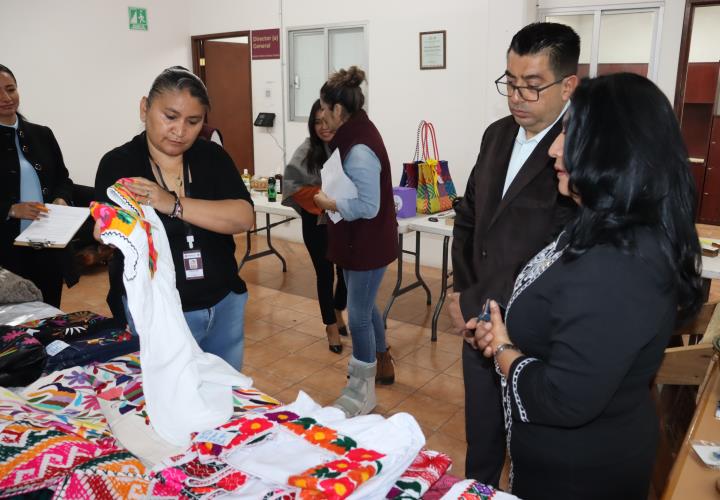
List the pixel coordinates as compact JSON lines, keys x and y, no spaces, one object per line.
{"x":296,"y":82}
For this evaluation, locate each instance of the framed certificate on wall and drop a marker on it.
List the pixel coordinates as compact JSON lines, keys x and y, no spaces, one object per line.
{"x":432,"y":49}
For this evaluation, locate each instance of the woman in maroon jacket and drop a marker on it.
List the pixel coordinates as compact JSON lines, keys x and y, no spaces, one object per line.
{"x":364,"y":242}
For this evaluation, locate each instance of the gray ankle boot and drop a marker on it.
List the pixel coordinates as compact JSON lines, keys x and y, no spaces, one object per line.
{"x":358,"y":396}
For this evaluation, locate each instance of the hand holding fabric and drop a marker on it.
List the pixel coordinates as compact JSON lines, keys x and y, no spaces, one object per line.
{"x":152,"y":194}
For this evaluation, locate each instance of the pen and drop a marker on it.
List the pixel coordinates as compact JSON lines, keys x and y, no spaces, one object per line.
{"x":485,"y":313}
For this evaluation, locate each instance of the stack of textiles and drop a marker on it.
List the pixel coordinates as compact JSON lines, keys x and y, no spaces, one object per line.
{"x":53,"y":435}
{"x":78,"y":338}
{"x":60,"y":341}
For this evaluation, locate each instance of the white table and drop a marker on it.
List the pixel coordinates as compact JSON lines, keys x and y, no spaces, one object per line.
{"x":262,"y":205}
{"x":710,"y":267}
{"x":439,"y":227}
{"x":403,"y":229}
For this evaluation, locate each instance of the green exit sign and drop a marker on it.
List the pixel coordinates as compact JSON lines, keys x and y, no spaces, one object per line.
{"x":137,"y":18}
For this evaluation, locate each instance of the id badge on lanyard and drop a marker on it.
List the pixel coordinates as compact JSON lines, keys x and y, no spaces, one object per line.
{"x":192,"y":261}
{"x":192,"y":257}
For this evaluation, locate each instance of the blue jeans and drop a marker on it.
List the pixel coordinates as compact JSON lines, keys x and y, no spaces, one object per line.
{"x":364,"y":318}
{"x":219,"y":329}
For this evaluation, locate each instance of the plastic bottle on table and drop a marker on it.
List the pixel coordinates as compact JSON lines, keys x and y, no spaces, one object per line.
{"x":272,"y":194}
{"x":246,"y":178}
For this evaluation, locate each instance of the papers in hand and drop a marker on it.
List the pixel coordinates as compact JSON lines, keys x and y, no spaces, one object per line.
{"x":336,"y":184}
{"x":56,"y":229}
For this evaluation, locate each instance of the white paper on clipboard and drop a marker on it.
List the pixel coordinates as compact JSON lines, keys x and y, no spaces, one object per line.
{"x":336,"y":184}
{"x":56,"y":228}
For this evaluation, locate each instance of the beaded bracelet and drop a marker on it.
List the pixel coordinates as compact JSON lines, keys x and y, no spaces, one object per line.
{"x":177,"y":209}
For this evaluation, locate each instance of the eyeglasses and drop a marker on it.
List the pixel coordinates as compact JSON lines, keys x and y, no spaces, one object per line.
{"x":529,"y":93}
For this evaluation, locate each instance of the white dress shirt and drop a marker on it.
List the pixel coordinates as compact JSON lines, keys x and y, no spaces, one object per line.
{"x":523,"y":148}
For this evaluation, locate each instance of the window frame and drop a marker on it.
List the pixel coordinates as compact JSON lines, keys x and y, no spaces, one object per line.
{"x":325,"y":29}
{"x":624,"y":8}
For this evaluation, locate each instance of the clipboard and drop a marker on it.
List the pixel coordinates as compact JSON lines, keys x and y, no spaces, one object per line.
{"x":56,"y":229}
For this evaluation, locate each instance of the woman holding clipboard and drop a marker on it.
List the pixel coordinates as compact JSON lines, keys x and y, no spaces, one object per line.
{"x":33,"y":173}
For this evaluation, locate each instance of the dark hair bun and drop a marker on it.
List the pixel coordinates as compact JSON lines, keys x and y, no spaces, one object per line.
{"x":351,"y":77}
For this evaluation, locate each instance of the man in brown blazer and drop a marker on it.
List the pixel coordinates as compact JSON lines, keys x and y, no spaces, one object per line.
{"x":511,"y":209}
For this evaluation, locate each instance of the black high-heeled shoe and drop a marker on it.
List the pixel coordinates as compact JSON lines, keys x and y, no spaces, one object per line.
{"x":334,"y":343}
{"x":342,"y":330}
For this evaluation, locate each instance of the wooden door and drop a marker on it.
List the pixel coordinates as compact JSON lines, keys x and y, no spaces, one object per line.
{"x":227,"y":76}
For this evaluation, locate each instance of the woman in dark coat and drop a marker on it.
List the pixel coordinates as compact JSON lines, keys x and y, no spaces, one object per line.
{"x":591,"y":314}
{"x":32,"y":173}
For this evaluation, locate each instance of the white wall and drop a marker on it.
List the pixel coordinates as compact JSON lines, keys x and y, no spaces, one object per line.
{"x":82,"y":72}
{"x":460,"y":100}
{"x":705,"y":43}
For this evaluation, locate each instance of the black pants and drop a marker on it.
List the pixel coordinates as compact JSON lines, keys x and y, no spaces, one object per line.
{"x":484,"y":424}
{"x":44,"y":268}
{"x":315,"y":238}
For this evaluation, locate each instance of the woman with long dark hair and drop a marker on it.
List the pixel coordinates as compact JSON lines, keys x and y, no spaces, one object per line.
{"x":591,"y":314}
{"x":301,"y":181}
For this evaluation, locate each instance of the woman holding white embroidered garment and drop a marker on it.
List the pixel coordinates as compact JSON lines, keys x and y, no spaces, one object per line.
{"x":201,"y":200}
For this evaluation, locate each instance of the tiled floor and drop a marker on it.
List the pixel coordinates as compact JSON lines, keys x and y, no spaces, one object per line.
{"x":286,"y":349}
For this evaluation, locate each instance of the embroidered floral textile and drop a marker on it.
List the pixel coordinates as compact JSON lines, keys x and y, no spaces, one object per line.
{"x":122,"y":221}
{"x":427,"y":468}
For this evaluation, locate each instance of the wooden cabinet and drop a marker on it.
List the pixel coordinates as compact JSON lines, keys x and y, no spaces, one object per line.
{"x":702,"y":79}
{"x":701,"y":132}
{"x":710,"y":199}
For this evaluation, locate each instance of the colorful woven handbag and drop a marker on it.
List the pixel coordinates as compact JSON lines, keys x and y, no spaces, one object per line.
{"x":435,"y":187}
{"x":409,"y":176}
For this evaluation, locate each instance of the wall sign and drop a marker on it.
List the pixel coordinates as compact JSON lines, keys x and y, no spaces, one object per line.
{"x":432,"y":49}
{"x":137,"y":18}
{"x":265,"y":44}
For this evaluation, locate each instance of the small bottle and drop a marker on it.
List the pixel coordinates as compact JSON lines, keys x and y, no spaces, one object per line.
{"x":278,"y":183}
{"x":272,"y":194}
{"x":246,"y":178}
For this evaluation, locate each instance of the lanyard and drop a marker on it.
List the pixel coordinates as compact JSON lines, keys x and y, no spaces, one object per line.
{"x":189,"y":237}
